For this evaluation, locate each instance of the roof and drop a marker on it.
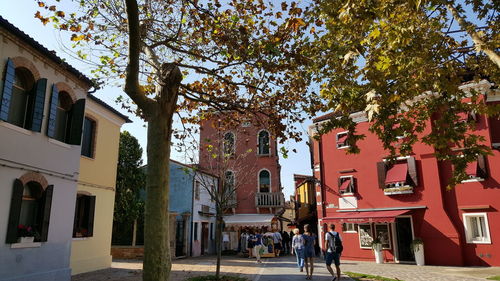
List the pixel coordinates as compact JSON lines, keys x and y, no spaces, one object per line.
{"x":110,"y":108}
{"x":40,"y":48}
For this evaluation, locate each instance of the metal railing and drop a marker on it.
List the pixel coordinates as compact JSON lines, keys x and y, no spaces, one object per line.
{"x":269,"y":199}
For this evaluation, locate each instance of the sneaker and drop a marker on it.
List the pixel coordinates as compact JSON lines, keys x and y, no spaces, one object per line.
{"x":301,"y":269}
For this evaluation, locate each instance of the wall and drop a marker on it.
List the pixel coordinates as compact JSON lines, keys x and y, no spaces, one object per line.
{"x":205,"y":182}
{"x":98,"y":177}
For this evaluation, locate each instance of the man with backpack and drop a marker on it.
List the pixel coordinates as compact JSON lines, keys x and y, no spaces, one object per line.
{"x":333,"y":251}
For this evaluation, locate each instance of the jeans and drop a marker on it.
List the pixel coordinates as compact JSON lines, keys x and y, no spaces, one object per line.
{"x":299,"y":253}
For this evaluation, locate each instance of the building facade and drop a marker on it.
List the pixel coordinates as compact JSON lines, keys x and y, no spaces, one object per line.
{"x":305,"y":202}
{"x":93,"y":221}
{"x":368,"y":197}
{"x":41,"y":117}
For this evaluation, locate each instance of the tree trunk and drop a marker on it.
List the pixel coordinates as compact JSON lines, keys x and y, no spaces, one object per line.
{"x":134,"y":233}
{"x":218,"y":242}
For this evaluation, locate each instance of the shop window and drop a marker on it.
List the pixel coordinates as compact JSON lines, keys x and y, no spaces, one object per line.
{"x":477,"y":228}
{"x":349,"y":227}
{"x":365,"y":236}
{"x":197,"y":190}
{"x":403,"y":173}
{"x":228,"y":145}
{"x":88,"y":139}
{"x":341,"y":140}
{"x":476,"y":170}
{"x":264,"y":181}
{"x":84,"y":216}
{"x":263,"y":143}
{"x":382,"y":234}
{"x":347,"y":185}
{"x":29,"y":211}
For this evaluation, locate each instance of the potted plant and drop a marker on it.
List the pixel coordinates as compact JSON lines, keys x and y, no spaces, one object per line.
{"x":26,"y":234}
{"x":377,"y":249}
{"x":417,"y":247}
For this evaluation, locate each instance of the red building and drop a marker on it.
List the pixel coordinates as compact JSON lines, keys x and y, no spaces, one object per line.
{"x":246,"y":156}
{"x":371,"y":198}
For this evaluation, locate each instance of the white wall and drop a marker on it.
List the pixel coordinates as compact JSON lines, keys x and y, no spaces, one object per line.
{"x":205,"y":181}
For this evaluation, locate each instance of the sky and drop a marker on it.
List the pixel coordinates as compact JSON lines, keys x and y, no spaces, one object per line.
{"x":21,"y":14}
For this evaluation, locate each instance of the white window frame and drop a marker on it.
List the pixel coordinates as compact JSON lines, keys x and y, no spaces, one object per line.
{"x":468,"y":234}
{"x":388,"y":234}
{"x":352,"y":185}
{"x":353,"y":228}
{"x":337,"y":139}
{"x":371,"y":234}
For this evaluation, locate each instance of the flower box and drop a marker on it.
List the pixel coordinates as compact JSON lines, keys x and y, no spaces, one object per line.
{"x":29,"y":239}
{"x":398,"y":190}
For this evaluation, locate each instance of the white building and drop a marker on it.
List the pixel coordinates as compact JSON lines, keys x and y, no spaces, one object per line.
{"x":203,"y":218}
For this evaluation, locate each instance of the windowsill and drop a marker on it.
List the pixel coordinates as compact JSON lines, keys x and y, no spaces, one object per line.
{"x":495,"y":145}
{"x":80,"y":238}
{"x":59,"y":143}
{"x":16,"y":128}
{"x":348,"y":194}
{"x":26,"y":245}
{"x":405,"y":189}
{"x":473,"y":180}
{"x":88,"y":158}
{"x":343,"y":147}
{"x":478,"y":242}
{"x":350,"y":231}
{"x":264,"y":155}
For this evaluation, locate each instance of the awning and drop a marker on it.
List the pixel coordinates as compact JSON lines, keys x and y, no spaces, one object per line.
{"x":345,"y":185}
{"x":249,"y":219}
{"x":471,"y":169}
{"x":397,"y":173}
{"x":365,"y":217}
{"x":342,"y":139}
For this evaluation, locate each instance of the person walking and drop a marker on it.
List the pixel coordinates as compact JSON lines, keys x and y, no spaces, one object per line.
{"x":333,"y":251}
{"x":258,"y":245}
{"x":298,"y":248}
{"x":286,"y":243}
{"x":250,"y":243}
{"x":277,"y":240}
{"x":310,"y":241}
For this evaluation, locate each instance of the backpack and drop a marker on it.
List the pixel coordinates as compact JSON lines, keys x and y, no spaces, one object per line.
{"x":337,"y":246}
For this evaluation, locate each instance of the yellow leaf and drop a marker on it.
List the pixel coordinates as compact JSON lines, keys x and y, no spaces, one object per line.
{"x":75,"y":37}
{"x":375,"y":33}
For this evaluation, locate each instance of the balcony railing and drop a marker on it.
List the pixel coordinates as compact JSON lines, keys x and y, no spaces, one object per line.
{"x":269,"y":199}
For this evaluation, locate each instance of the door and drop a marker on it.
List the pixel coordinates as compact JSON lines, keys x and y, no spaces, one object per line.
{"x":404,"y":235}
{"x":204,"y":238}
{"x":179,"y":239}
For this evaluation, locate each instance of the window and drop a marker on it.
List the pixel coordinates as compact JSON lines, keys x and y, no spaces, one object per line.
{"x":365,"y":236}
{"x":213,"y":193}
{"x":21,"y":99}
{"x":347,"y":185}
{"x":229,"y":183}
{"x":89,"y":126}
{"x":382,"y":234}
{"x":477,"y":228}
{"x":64,"y":104}
{"x":350,"y":227}
{"x":211,"y":231}
{"x":341,"y":140}
{"x":30,"y":206}
{"x":197,"y":190}
{"x":264,"y":181}
{"x":476,"y":170}
{"x":403,"y":173}
{"x":83,"y":225}
{"x":228,"y":146}
{"x":263,"y":143}
{"x":494,"y":125}
{"x":195,"y":231}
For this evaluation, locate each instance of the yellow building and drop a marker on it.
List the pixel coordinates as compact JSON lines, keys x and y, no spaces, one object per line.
{"x":305,"y":201}
{"x":91,"y":246}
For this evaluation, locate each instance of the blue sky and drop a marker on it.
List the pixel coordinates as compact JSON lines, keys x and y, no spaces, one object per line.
{"x":21,"y":14}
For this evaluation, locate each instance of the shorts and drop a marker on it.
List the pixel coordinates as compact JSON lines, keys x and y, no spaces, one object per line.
{"x":332,"y":257}
{"x":250,"y":245}
{"x":308,"y":252}
{"x":277,"y":246}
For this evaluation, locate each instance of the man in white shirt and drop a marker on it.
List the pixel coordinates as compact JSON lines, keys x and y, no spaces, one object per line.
{"x":333,"y":249}
{"x":277,"y":242}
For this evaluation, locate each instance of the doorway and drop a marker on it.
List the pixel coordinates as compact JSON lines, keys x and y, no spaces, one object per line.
{"x":204,"y":238}
{"x":404,"y":235}
{"x":179,"y":239}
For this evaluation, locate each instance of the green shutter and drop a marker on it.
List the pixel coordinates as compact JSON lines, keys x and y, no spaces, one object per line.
{"x":38,"y":105}
{"x":10,"y":74}
{"x":77,"y":115}
{"x":15,"y":211}
{"x":47,"y":204}
{"x":54,"y":99}
{"x":91,"y":205}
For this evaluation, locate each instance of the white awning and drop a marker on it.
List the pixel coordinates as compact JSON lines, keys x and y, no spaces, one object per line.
{"x":249,"y":219}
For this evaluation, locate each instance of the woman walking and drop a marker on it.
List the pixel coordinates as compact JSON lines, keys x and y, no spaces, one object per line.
{"x":258,"y":246}
{"x":310,"y":241}
{"x":250,"y":243}
{"x":298,"y":248}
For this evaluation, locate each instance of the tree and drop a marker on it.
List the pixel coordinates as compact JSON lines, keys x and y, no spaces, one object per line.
{"x":237,"y":56}
{"x":130,"y":179}
{"x":400,"y":62}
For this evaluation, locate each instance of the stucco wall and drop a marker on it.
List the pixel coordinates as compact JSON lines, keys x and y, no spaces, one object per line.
{"x":205,"y":199}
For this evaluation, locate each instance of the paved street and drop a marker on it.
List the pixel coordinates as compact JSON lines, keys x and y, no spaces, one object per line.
{"x":285,"y":268}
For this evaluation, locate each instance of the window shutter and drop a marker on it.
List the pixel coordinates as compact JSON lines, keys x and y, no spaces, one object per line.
{"x":15,"y":211}
{"x":339,"y":182}
{"x":481,"y":165}
{"x":77,"y":116}
{"x":381,"y":169}
{"x":91,"y":205}
{"x":10,"y":73}
{"x":51,"y":126}
{"x":47,"y":204}
{"x":39,"y":103}
{"x":354,"y":184}
{"x":412,"y":170}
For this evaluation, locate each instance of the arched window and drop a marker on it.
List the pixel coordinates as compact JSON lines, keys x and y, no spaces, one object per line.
{"x":64,"y":104}
{"x":31,"y":206}
{"x":228,"y":146}
{"x":21,"y":100}
{"x":263,"y":143}
{"x":264,"y":181}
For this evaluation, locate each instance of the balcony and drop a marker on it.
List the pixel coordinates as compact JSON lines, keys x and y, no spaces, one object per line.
{"x":269,"y":199}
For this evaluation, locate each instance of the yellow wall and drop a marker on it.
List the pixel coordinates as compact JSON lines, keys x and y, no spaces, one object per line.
{"x":306,"y":193}
{"x":98,"y":177}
